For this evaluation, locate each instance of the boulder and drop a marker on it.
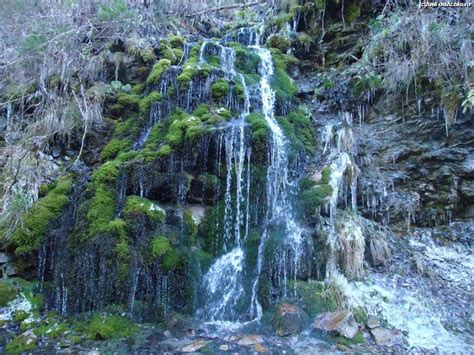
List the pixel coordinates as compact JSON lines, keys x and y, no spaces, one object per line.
{"x":29,"y":337}
{"x":386,"y":337}
{"x":4,"y":258}
{"x":251,"y":339}
{"x":373,"y":322}
{"x":337,"y":323}
{"x":289,"y":320}
{"x":194,"y":346}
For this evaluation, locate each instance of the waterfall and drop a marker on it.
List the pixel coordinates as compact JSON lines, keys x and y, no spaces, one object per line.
{"x":223,"y":283}
{"x":278,"y":184}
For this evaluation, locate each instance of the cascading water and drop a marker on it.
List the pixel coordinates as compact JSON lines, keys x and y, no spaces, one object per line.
{"x":223,"y":282}
{"x":278,"y":184}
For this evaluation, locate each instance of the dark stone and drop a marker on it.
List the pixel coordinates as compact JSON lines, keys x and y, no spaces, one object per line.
{"x":289,"y":319}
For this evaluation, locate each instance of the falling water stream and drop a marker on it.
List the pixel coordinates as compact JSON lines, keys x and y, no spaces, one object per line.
{"x":224,"y":282}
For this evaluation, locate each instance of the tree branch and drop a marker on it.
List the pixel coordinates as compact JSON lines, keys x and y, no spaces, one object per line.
{"x":228,"y":7}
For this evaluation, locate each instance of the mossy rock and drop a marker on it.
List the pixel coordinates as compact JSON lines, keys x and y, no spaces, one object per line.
{"x":157,"y":71}
{"x":102,"y":211}
{"x":246,"y":60}
{"x":314,"y":194}
{"x":114,"y":148}
{"x":159,"y":246}
{"x":146,"y":102}
{"x":358,"y":339}
{"x":219,"y":89}
{"x":169,"y":53}
{"x":107,"y":173}
{"x":173,"y":260}
{"x":21,"y":344}
{"x":128,"y":100}
{"x":191,"y":225}
{"x":107,"y":327}
{"x":316,"y":197}
{"x":279,"y":42}
{"x":260,"y":134}
{"x":179,"y":124}
{"x":312,"y":296}
{"x":8,"y":292}
{"x":139,"y":206}
{"x":37,"y":220}
{"x":299,"y":130}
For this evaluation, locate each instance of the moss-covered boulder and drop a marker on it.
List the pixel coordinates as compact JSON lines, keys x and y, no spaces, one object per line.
{"x":35,"y":223}
{"x":136,"y":206}
{"x":105,"y":327}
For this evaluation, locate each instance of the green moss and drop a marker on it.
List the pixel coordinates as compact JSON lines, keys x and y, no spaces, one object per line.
{"x":136,"y":205}
{"x":315,"y":197}
{"x":19,"y":345}
{"x":170,"y":51}
{"x":325,"y":175}
{"x":209,"y":181}
{"x":157,"y":71}
{"x":201,"y":110}
{"x":20,"y":316}
{"x":246,"y":60}
{"x":209,"y":231}
{"x":107,"y":173}
{"x":128,"y":100}
{"x":313,"y":298}
{"x":283,"y":85}
{"x":259,"y":133}
{"x":128,"y":127}
{"x":358,"y":339}
{"x":164,"y":151}
{"x":172,"y":260}
{"x":102,"y":210}
{"x":359,"y":314}
{"x":159,"y":246}
{"x":51,"y":328}
{"x":280,"y":20}
{"x":219,"y":89}
{"x":186,"y":75}
{"x":179,"y":123}
{"x":279,"y":42}
{"x":214,"y":60}
{"x":315,"y":194}
{"x":216,"y":116}
{"x":36,"y":221}
{"x":108,"y":327}
{"x":138,"y":89}
{"x":299,"y":130}
{"x":114,"y":147}
{"x":8,"y":292}
{"x":176,"y":41}
{"x":126,"y":156}
{"x":352,"y":12}
{"x":117,"y":227}
{"x":190,"y":225}
{"x":366,"y":83}
{"x":147,"y":101}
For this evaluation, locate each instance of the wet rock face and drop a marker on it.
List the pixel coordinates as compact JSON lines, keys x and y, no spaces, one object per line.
{"x":340,"y":323}
{"x":290,"y":319}
{"x":432,"y":173}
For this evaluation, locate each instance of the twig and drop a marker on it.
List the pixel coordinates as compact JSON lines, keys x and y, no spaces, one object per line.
{"x":228,"y":7}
